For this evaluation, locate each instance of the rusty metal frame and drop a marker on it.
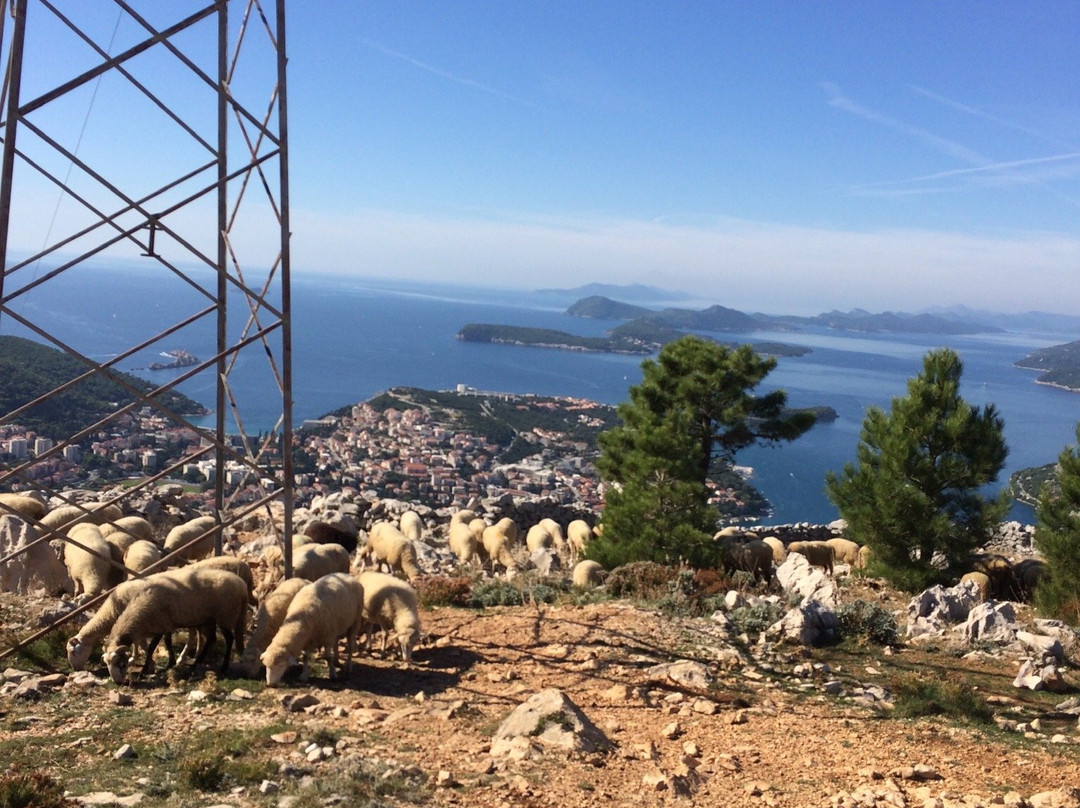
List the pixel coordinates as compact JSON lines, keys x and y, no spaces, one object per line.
{"x":246,"y":155}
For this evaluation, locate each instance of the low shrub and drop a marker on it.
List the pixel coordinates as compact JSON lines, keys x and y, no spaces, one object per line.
{"x":752,"y":620}
{"x":444,"y":590}
{"x":641,"y":580}
{"x":916,"y":697}
{"x":864,"y":621}
{"x":19,"y":789}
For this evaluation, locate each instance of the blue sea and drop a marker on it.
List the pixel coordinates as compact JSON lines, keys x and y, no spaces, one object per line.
{"x":353,"y":338}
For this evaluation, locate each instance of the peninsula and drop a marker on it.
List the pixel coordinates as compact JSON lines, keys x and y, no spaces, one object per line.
{"x":1059,"y":365}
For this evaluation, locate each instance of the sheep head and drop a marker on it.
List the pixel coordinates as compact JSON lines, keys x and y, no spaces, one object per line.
{"x":78,"y":652}
{"x":276,"y":663}
{"x":118,"y":660}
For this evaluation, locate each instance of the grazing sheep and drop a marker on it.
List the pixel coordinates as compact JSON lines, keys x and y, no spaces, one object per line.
{"x":237,"y":566}
{"x":588,"y":574}
{"x":1027,"y":575}
{"x":462,"y":542}
{"x":64,"y":518}
{"x":497,"y":540}
{"x":387,"y":544}
{"x":126,"y":531}
{"x":194,"y":597}
{"x":982,"y":581}
{"x":326,"y":533}
{"x":729,"y":532}
{"x":555,"y":530}
{"x":80,"y":646}
{"x":310,"y":561}
{"x":35,"y":560}
{"x":779,"y":551}
{"x":21,"y":505}
{"x":865,"y":554}
{"x":411,"y":525}
{"x":390,"y":603}
{"x":754,"y":556}
{"x":818,"y":553}
{"x":578,"y":535}
{"x":141,"y":554}
{"x":538,"y":536}
{"x":268,"y":620}
{"x":184,"y":538}
{"x":845,"y":551}
{"x":88,"y":562}
{"x":1000,"y":572}
{"x":462,"y":517}
{"x":318,"y":616}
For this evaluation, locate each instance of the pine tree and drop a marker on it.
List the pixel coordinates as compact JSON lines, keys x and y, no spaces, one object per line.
{"x":1057,"y":537}
{"x":913,"y":495}
{"x":693,"y":409}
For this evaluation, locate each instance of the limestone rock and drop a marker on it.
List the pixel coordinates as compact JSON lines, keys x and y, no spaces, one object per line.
{"x":684,"y":672}
{"x":552,"y":720}
{"x":810,"y":623}
{"x":796,"y":576}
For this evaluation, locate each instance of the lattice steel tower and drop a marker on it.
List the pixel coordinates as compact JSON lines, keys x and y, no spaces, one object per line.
{"x":150,"y":136}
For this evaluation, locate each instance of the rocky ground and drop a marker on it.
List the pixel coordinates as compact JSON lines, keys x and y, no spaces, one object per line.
{"x":733,"y":723}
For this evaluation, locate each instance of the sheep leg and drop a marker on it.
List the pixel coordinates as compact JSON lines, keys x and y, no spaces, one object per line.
{"x":148,"y":666}
{"x":211,"y":633}
{"x":228,"y":635}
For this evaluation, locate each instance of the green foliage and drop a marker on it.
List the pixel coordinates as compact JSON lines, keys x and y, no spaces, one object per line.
{"x":756,"y":617}
{"x":500,"y":592}
{"x":641,"y":580}
{"x":693,"y":410}
{"x":914,"y":491}
{"x":204,"y":774}
{"x":443,"y":590}
{"x":19,"y":789}
{"x":30,"y":370}
{"x":916,"y":697}
{"x":864,"y":621}
{"x":1057,"y":538}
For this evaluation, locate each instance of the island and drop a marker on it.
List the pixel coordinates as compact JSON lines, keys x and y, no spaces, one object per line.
{"x":1059,"y":365}
{"x":180,"y":359}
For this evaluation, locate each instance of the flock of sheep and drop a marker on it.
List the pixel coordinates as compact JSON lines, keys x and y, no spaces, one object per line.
{"x":158,"y":585}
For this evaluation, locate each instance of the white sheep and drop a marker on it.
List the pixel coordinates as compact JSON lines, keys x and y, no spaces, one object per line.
{"x":88,"y":562}
{"x":818,"y":553}
{"x":194,"y":597}
{"x":310,"y":562}
{"x":462,"y":542}
{"x":268,"y":620}
{"x":538,"y":536}
{"x":588,"y":574}
{"x":183,"y":537}
{"x":62,"y":519}
{"x":462,"y":517}
{"x":319,"y":615}
{"x":845,"y":551}
{"x":555,"y":530}
{"x":497,"y":541}
{"x":80,"y":646}
{"x":388,"y":544}
{"x":390,"y":603}
{"x":412,"y":525}
{"x":779,"y":551}
{"x":127,"y":530}
{"x":22,"y":505}
{"x":237,"y":566}
{"x":578,"y":536}
{"x":32,"y":559}
{"x":140,"y":555}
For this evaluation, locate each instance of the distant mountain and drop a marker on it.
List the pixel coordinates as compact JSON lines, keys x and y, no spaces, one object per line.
{"x":888,"y":322}
{"x":630,"y":293}
{"x":30,"y":369}
{"x":1027,"y":320}
{"x":1060,"y":365}
{"x":599,"y":307}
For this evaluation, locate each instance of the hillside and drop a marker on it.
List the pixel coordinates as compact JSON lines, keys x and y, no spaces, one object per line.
{"x":604,"y":308}
{"x":30,"y":369}
{"x":1059,"y":365}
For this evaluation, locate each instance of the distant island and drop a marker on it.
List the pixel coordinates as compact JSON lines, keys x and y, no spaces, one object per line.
{"x":1059,"y":365}
{"x":181,"y":359}
{"x":637,"y":337}
{"x":1025,"y":485}
{"x":719,"y":318}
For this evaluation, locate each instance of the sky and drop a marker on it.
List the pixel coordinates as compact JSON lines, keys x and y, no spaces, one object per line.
{"x":770,"y":156}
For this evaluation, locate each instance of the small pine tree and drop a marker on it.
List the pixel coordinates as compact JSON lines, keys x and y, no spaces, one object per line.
{"x":693,"y":410}
{"x":1057,"y":537}
{"x":914,"y":492}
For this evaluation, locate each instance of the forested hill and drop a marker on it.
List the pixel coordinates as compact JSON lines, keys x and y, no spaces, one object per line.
{"x":29,"y":369}
{"x":1060,"y":365}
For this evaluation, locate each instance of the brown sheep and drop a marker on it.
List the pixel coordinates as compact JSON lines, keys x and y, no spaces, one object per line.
{"x":982,"y":581}
{"x":845,"y":551}
{"x":1000,"y":572}
{"x":753,"y":556}
{"x":818,"y":553}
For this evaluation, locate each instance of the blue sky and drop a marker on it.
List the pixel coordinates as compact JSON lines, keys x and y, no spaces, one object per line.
{"x":773,"y":156}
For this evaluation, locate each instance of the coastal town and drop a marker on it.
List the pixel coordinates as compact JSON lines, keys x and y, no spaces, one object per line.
{"x":404,"y":444}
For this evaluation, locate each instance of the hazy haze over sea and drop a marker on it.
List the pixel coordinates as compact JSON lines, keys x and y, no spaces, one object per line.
{"x":354,"y":338}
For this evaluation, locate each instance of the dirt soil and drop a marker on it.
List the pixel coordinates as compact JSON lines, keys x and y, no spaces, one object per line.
{"x":758,"y":735}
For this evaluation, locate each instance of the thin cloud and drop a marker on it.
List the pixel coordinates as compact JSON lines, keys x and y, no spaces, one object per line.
{"x":445,"y":74}
{"x":986,"y":116}
{"x":838,"y":100}
{"x":1001,"y":171}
